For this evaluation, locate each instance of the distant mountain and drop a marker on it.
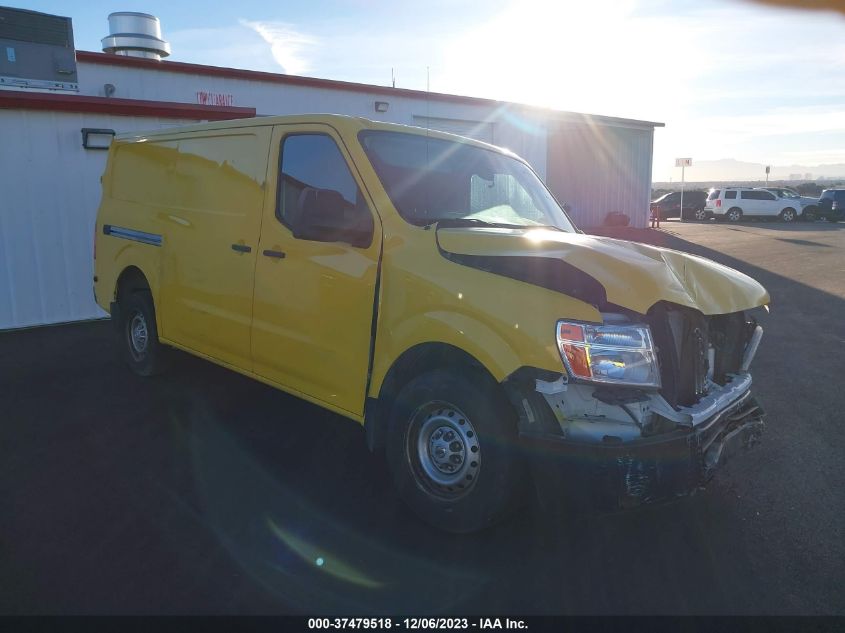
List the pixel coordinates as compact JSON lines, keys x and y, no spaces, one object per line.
{"x":730,"y":169}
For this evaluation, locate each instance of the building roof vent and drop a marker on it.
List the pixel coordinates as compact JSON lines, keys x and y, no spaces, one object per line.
{"x":135,"y":35}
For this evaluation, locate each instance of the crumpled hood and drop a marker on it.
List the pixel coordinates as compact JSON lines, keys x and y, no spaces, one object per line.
{"x":633,"y":275}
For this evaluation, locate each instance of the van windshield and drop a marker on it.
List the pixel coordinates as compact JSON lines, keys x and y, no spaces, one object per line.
{"x":432,"y":180}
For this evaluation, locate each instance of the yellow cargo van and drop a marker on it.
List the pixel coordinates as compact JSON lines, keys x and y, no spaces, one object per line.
{"x":430,"y":288}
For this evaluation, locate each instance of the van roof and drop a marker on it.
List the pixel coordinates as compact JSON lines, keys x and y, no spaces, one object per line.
{"x":341,"y":122}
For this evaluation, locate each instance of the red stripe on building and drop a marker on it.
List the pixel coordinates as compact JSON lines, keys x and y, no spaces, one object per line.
{"x":121,"y":107}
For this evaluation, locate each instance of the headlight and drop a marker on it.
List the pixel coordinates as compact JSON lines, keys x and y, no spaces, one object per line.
{"x":616,"y":354}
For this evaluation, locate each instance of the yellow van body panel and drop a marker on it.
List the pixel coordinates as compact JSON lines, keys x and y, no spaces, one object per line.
{"x":216,"y":196}
{"x":503,"y":323}
{"x":304,"y":323}
{"x":115,"y":256}
{"x":634,"y":275}
{"x":313,"y":308}
{"x":201,"y":192}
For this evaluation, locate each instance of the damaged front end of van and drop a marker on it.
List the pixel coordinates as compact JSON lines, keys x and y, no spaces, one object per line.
{"x":655,"y":394}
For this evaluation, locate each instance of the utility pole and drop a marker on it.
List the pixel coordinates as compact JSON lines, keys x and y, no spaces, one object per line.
{"x":768,"y":169}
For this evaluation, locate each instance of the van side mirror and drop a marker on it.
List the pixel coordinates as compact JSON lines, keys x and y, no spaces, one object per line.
{"x":324,"y":215}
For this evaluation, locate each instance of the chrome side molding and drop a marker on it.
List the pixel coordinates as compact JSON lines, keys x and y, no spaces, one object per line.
{"x":153,"y":239}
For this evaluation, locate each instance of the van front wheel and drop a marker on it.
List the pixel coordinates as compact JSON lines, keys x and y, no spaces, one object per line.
{"x":142,"y":350}
{"x":452,"y":450}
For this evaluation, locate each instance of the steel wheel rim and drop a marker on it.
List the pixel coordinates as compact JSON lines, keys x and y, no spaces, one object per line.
{"x":443,"y":450}
{"x":699,"y":215}
{"x":788,"y":216}
{"x":137,"y":335}
{"x":734,"y":216}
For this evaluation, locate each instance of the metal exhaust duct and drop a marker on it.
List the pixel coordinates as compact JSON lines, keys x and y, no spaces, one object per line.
{"x":135,"y":35}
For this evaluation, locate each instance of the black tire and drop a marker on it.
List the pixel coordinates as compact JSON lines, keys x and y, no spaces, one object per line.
{"x":788,"y":215}
{"x":143,"y":353}
{"x":468,"y":404}
{"x":700,"y":215}
{"x":809,"y":214}
{"x":734,"y":214}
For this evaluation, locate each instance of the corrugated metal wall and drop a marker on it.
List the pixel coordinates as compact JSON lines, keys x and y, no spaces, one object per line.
{"x":50,"y":188}
{"x":598,"y":169}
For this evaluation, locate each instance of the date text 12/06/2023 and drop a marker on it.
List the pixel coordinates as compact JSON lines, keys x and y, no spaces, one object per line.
{"x":417,"y":623}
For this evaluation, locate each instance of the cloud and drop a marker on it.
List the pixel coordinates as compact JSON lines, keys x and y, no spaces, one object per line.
{"x":231,"y":46}
{"x":290,"y":48}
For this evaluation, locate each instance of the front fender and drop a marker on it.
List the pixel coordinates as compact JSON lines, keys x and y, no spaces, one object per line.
{"x":464,"y":332}
{"x":498,"y":355}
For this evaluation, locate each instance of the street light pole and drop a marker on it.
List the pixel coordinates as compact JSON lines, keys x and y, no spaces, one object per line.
{"x":683,"y":163}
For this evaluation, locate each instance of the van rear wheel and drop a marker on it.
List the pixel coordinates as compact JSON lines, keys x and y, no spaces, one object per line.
{"x":452,"y":450}
{"x":734,"y":214}
{"x":142,"y":351}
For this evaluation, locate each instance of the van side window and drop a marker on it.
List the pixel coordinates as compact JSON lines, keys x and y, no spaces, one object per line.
{"x":730,"y":195}
{"x":313,"y":161}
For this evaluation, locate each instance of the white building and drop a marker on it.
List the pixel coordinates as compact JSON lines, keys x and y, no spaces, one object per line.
{"x":50,"y":182}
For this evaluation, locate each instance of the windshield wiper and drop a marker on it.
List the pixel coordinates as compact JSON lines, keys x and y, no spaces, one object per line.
{"x":458,"y":222}
{"x":461,"y":222}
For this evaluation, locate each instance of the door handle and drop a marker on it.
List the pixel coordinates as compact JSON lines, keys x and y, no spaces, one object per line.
{"x":241,"y":248}
{"x":275,"y":254}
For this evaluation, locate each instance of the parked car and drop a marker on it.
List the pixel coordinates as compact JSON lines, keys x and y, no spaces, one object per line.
{"x":809,"y":205}
{"x":831,"y":205}
{"x":669,"y":205}
{"x":430,"y":288}
{"x":735,"y":203}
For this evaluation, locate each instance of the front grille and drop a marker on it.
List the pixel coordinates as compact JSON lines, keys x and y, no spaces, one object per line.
{"x":684,"y":339}
{"x":699,"y":357}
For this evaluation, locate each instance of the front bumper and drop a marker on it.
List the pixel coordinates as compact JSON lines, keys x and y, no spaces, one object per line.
{"x":576,"y":475}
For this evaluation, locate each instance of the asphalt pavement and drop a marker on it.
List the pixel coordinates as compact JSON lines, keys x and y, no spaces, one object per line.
{"x":205,"y":492}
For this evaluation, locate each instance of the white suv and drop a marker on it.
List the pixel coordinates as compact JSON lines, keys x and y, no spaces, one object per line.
{"x":809,"y":206}
{"x":734,"y":203}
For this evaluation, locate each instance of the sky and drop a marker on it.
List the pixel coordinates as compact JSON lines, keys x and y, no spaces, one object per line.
{"x":729,"y":78}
